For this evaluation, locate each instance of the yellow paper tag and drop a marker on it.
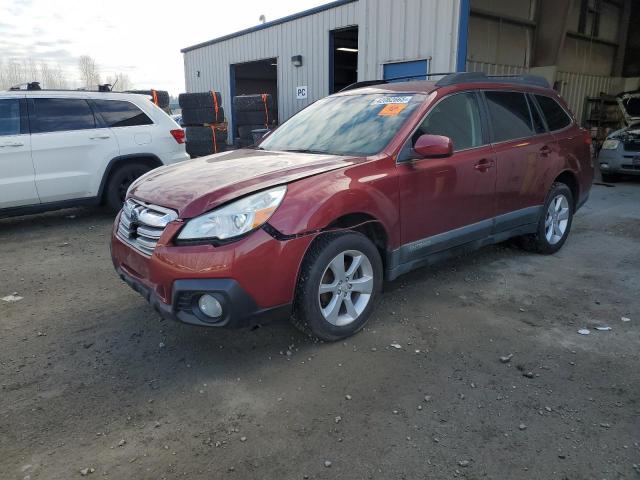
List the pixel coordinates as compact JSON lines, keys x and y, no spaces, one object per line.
{"x":392,"y":109}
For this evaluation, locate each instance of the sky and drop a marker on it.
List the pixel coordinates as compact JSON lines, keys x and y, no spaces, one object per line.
{"x":138,"y":37}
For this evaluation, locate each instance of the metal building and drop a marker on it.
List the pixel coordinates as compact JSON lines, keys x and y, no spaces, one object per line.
{"x":309,"y":55}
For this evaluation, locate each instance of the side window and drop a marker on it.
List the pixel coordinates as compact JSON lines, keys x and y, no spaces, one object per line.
{"x":510,"y":115}
{"x":456,"y":117}
{"x":9,"y":117}
{"x":556,"y":117}
{"x":60,"y":114}
{"x":116,"y":113}
{"x":538,"y":124}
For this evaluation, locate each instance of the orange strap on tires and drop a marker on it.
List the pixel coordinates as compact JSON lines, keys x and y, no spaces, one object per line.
{"x":215,"y":142}
{"x":266,"y":110}
{"x":154,"y":94}
{"x":215,"y":103}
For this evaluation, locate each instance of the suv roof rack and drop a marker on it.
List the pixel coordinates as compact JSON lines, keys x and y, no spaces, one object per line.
{"x":368,"y":83}
{"x":454,"y":78}
{"x":479,"y":77}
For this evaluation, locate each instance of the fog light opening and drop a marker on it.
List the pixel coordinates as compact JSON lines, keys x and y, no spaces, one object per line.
{"x":210,"y":306}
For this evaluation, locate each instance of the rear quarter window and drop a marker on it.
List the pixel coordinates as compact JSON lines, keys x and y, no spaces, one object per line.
{"x":556,"y":117}
{"x":118,"y":113}
{"x":9,"y":117}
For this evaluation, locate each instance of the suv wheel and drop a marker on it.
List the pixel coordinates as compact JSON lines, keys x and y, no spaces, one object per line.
{"x":119,"y":183}
{"x":555,"y":222}
{"x":339,"y":284}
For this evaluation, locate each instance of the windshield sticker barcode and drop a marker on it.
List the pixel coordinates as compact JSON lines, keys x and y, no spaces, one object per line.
{"x":388,"y":100}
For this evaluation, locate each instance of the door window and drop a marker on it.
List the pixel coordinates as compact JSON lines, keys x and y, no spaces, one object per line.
{"x":557,"y":118}
{"x":9,"y":117}
{"x":538,"y":123}
{"x":456,"y":117}
{"x":60,"y":114}
{"x":510,"y":115}
{"x":116,"y":113}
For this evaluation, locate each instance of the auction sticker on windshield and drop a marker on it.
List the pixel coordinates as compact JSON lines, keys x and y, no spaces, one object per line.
{"x":389,"y":100}
{"x":392,"y":109}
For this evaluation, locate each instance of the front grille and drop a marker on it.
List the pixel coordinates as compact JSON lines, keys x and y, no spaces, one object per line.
{"x":632,"y":145}
{"x":631,"y":167}
{"x":141,"y":224}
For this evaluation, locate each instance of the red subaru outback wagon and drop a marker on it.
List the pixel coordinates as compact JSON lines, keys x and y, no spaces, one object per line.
{"x":359,"y":187}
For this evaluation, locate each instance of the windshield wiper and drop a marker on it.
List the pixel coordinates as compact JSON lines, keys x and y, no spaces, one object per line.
{"x":305,"y":150}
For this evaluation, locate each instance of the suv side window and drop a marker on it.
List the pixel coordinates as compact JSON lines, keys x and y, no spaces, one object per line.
{"x":117,"y":113}
{"x":60,"y":114}
{"x":9,"y":117}
{"x":510,"y":115}
{"x":557,"y":118}
{"x":457,"y":117}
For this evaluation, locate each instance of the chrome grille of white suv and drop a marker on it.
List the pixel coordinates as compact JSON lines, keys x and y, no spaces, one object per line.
{"x":142,"y":224}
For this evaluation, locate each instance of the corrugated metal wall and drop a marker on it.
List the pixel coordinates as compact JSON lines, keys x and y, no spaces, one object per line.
{"x":575,"y":87}
{"x":389,"y":31}
{"x":495,"y":68}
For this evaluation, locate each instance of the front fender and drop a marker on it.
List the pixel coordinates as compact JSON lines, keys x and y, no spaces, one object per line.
{"x":313,"y":203}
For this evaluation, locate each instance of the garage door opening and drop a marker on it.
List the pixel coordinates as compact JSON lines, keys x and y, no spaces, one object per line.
{"x":253,"y":78}
{"x":343,"y":53}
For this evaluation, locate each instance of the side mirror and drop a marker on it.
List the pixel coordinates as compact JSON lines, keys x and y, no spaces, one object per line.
{"x":433,"y":146}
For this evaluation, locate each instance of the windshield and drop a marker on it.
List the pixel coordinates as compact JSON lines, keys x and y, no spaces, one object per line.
{"x":359,"y":125}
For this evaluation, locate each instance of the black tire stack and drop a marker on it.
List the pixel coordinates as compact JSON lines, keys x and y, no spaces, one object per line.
{"x":203,"y":117}
{"x":253,"y":112}
{"x":160,"y":97}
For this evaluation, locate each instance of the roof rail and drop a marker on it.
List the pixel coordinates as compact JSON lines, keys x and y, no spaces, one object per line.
{"x":477,"y":77}
{"x":368,"y":83}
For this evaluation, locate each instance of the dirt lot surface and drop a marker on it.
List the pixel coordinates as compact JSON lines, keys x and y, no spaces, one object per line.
{"x":91,"y":378}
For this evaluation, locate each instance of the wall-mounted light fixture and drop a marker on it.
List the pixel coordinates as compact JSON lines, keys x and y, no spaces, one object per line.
{"x":296,"y":60}
{"x":198,"y":74}
{"x":347,"y":49}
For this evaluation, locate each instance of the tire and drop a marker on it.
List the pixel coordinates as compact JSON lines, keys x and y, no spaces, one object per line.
{"x":609,"y":177}
{"x":204,"y":134}
{"x":119,"y":182}
{"x":253,"y":118}
{"x":163,"y":96}
{"x":252,"y":103}
{"x":201,"y":116}
{"x":542,"y":241}
{"x":244,"y":131}
{"x":321,"y":266}
{"x":198,"y":100}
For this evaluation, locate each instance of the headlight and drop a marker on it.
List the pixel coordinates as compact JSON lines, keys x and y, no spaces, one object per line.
{"x":610,"y":144}
{"x":236,"y":218}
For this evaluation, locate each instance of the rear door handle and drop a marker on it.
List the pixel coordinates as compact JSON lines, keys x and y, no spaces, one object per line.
{"x":100,"y":137}
{"x":12,"y":144}
{"x":546,"y":150}
{"x":483,"y":165}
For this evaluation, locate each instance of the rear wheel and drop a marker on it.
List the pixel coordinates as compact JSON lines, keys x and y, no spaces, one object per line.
{"x":555,"y":222}
{"x":340,"y":282}
{"x":120,"y":181}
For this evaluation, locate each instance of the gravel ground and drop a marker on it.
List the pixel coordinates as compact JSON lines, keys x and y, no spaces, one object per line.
{"x":94,"y":382}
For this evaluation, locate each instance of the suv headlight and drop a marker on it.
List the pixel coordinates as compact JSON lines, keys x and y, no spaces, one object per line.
{"x":610,"y":144}
{"x":236,"y":218}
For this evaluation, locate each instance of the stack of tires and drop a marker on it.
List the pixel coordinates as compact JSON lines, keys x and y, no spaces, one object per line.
{"x":203,"y":118}
{"x":253,"y":112}
{"x":159,"y":97}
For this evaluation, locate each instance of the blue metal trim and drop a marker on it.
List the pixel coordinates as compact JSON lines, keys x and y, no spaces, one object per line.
{"x":295,"y":16}
{"x":232,"y":94}
{"x":463,"y":35}
{"x":332,"y":82}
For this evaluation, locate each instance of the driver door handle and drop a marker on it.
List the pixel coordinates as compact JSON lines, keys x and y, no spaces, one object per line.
{"x":100,"y":137}
{"x":484,"y":165}
{"x":546,"y":150}
{"x":12,"y":144}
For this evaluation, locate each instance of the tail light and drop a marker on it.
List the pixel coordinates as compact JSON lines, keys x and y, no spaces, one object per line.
{"x":178,"y":134}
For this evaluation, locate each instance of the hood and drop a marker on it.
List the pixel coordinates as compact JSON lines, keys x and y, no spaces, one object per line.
{"x":196,"y":186}
{"x":630,"y":105}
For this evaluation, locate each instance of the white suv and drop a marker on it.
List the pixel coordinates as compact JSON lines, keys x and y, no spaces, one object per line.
{"x":65,"y":148}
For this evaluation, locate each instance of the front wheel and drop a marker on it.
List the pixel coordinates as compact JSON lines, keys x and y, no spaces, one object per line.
{"x":555,"y":222}
{"x":339,"y":284}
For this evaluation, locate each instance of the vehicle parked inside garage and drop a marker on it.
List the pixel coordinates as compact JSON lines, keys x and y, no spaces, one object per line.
{"x":66,"y":148}
{"x":620,"y":152}
{"x":362,"y":185}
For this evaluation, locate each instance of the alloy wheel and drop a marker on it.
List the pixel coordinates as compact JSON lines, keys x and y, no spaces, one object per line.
{"x":557,"y":219}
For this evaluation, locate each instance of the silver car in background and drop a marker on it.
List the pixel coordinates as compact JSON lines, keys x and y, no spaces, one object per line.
{"x":620,"y":153}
